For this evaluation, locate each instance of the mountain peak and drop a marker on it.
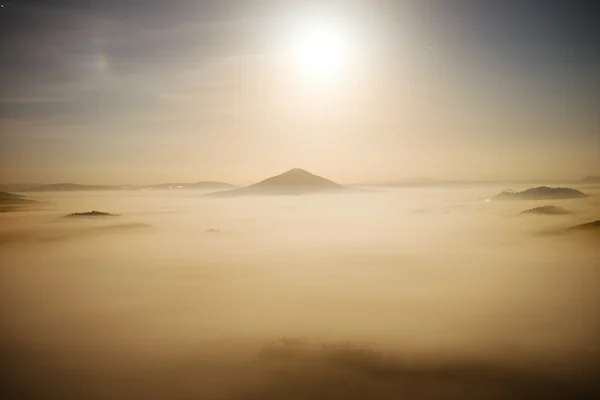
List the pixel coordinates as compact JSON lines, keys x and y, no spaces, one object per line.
{"x":296,"y":177}
{"x":297,"y":170}
{"x":294,"y":181}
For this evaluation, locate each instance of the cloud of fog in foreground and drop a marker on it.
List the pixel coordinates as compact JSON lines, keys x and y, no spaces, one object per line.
{"x":397,"y":293}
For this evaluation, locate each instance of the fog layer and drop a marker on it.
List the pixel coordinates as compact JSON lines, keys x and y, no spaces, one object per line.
{"x":425,"y":293}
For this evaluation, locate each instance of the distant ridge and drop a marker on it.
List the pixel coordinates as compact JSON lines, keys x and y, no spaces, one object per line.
{"x":591,"y":179}
{"x":295,"y":181}
{"x":206,"y":185}
{"x":68,"y":187}
{"x":74,"y":187}
{"x":17,"y":187}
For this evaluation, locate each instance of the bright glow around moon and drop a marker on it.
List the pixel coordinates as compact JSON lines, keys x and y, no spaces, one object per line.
{"x":320,"y":50}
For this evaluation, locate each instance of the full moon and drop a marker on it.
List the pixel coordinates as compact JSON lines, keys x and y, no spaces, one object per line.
{"x":320,"y":51}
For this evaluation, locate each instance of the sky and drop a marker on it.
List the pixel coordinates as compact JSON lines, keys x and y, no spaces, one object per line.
{"x":149,"y":91}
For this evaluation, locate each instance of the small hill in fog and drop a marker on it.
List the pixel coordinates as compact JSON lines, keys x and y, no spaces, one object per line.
{"x":593,"y":226}
{"x":546,"y":210}
{"x":542,"y":193}
{"x":211,"y":185}
{"x":91,"y":214}
{"x":588,"y":228}
{"x":13,"y":199}
{"x":294,"y":181}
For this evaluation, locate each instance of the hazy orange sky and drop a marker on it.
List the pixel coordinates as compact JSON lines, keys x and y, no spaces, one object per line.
{"x":155,"y":91}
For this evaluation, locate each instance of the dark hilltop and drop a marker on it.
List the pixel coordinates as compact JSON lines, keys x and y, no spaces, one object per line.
{"x":546,"y":210}
{"x":91,"y":214}
{"x":542,"y":193}
{"x":591,"y":229}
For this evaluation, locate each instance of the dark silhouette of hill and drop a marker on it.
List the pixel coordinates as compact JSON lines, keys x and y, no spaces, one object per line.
{"x":202,"y":185}
{"x":542,"y":193}
{"x":593,"y":226}
{"x":294,"y":181}
{"x":69,"y":187}
{"x":14,"y":199}
{"x":546,"y":210}
{"x":91,"y":214}
{"x":588,"y":228}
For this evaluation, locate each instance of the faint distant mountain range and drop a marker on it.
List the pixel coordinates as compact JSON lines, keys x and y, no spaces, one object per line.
{"x":68,"y":187}
{"x":205,"y":185}
{"x":17,"y":187}
{"x":294,"y":181}
{"x":216,"y":185}
{"x":591,"y":179}
{"x":74,"y":187}
{"x":417,"y":182}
